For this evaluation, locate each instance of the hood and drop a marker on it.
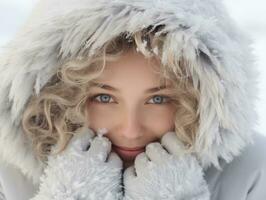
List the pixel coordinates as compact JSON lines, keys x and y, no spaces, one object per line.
{"x":59,"y":30}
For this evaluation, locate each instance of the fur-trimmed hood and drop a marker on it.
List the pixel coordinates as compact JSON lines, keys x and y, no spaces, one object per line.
{"x":59,"y":30}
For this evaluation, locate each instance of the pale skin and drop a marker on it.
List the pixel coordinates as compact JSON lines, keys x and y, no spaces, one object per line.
{"x":132,"y":116}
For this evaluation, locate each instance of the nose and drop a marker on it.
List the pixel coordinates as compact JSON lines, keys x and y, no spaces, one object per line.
{"x":130,"y":126}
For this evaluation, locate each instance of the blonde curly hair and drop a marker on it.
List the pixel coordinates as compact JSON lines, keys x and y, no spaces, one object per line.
{"x":52,"y":117}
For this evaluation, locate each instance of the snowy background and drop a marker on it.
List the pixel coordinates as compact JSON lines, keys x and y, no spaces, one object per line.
{"x":251,"y":15}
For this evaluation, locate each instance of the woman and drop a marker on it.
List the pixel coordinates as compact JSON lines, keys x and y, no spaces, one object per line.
{"x":178,"y":121}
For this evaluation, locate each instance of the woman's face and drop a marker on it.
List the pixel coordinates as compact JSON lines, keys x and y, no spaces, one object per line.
{"x":133,"y":114}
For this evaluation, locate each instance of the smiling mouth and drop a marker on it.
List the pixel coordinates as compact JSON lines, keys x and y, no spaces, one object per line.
{"x":129,"y":149}
{"x":128,"y":154}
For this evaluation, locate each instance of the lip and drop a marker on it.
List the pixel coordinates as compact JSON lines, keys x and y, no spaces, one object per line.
{"x":128,"y":155}
{"x":129,"y":149}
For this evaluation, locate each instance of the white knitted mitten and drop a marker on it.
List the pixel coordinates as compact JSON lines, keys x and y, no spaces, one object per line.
{"x":83,"y":171}
{"x":166,"y":173}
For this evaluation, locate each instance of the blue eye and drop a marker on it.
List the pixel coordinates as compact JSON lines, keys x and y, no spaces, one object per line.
{"x":159,"y":99}
{"x":105,"y":98}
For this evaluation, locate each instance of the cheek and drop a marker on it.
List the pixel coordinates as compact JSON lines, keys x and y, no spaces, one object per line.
{"x":160,"y":119}
{"x":99,"y":116}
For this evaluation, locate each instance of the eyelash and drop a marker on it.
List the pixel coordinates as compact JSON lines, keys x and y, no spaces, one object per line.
{"x":97,"y":95}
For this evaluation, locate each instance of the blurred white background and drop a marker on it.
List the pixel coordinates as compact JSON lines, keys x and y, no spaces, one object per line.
{"x":251,"y":15}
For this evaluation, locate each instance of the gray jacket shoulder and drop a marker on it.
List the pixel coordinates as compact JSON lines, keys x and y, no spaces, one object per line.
{"x":253,"y":157}
{"x":13,"y":183}
{"x":2,"y":196}
{"x":244,"y":178}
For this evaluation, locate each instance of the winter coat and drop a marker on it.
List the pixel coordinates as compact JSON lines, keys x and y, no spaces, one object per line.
{"x":228,"y":147}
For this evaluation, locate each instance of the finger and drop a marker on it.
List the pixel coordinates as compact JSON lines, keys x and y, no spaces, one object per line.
{"x":81,"y":140}
{"x":173,"y":145}
{"x":100,"y":148}
{"x":115,"y":160}
{"x":156,"y":152}
{"x":129,"y":176}
{"x":141,"y":163}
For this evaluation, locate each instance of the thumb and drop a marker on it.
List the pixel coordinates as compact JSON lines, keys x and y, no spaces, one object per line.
{"x":80,"y":141}
{"x":115,"y":160}
{"x":129,"y":175}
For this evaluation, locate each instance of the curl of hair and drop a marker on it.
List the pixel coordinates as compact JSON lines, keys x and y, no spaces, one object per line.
{"x":59,"y":111}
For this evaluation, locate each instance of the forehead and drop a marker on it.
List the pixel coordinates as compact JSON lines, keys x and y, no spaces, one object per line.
{"x":133,"y":65}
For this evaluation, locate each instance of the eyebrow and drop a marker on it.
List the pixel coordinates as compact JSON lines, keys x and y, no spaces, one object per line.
{"x":109,"y":87}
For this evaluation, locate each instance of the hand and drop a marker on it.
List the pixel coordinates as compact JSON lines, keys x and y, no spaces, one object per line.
{"x":79,"y":174}
{"x":172,"y":176}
